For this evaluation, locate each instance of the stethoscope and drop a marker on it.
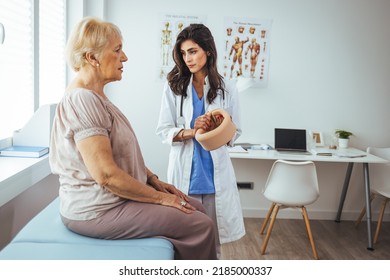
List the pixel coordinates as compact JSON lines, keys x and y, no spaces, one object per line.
{"x":181,"y":120}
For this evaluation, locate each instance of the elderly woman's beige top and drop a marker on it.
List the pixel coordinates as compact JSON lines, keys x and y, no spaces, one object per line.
{"x":79,"y":115}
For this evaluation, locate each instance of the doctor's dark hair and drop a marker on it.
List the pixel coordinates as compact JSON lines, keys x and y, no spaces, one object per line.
{"x":179,"y":77}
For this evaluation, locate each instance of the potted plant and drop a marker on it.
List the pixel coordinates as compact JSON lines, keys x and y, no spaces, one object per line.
{"x":343,"y":136}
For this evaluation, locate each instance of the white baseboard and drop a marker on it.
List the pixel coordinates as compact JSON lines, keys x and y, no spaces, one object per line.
{"x":313,"y":215}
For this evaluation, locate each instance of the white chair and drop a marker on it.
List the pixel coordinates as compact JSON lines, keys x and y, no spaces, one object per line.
{"x":379,"y":184}
{"x":290,"y":184}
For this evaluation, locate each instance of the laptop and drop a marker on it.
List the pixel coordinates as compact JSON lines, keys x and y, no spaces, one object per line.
{"x":289,"y":140}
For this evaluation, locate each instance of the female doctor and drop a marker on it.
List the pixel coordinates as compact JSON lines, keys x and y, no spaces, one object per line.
{"x":193,"y":89}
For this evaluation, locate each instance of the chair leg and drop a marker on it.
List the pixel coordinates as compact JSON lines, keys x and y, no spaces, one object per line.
{"x":363,"y":212}
{"x":264,"y":225}
{"x":303,"y":216}
{"x":306,"y":219}
{"x":271,"y":225}
{"x":380,"y":219}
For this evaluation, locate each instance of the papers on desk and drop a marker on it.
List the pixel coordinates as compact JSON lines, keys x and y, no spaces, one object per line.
{"x":261,"y":147}
{"x":322,"y":152}
{"x":237,"y":149}
{"x":349,"y":153}
{"x":243,"y":148}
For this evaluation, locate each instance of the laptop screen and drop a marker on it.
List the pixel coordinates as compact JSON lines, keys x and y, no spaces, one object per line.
{"x":290,"y":139}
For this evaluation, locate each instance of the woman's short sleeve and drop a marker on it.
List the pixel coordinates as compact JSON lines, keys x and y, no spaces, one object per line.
{"x":84,"y":114}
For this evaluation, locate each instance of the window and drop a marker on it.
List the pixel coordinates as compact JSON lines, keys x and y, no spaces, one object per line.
{"x":32,"y":68}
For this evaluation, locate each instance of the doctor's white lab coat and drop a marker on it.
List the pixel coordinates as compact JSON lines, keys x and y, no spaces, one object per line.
{"x":227,"y":200}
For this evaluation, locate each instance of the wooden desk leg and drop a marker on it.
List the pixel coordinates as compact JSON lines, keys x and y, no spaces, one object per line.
{"x":368,"y":205}
{"x":344,"y":191}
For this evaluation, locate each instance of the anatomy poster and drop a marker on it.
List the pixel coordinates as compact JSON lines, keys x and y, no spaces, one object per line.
{"x":246,"y":48}
{"x":170,"y":26}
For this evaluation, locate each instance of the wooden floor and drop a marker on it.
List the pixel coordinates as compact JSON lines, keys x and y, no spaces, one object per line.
{"x":288,"y":241}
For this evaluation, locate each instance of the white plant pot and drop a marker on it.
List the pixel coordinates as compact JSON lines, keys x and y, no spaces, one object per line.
{"x":343,"y":143}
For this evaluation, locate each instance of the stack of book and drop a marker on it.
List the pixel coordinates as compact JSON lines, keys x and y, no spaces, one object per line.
{"x":322,"y":152}
{"x":24,"y":151}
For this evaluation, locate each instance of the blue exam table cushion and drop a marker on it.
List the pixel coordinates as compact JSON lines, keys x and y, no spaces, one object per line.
{"x":46,"y":238}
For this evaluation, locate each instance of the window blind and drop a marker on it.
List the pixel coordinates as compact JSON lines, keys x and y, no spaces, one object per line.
{"x":17,"y":59}
{"x":16,"y":65}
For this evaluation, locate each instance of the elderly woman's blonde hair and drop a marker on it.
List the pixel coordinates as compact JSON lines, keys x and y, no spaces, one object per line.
{"x":90,"y":35}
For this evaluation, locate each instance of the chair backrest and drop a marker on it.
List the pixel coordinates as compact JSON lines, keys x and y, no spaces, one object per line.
{"x":380,"y":172}
{"x":292,"y":183}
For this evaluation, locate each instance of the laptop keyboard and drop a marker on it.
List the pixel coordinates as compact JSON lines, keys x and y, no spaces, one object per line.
{"x":295,"y":152}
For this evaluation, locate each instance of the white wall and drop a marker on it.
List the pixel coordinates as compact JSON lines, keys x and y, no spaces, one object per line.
{"x":330,"y":68}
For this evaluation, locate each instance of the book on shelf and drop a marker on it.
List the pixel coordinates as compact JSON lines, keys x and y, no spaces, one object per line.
{"x":24,"y":151}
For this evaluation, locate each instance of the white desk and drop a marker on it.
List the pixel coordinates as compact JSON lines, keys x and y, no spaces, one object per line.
{"x":274,"y":155}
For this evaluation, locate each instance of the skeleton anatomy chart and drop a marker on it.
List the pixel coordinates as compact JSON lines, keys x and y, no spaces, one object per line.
{"x":170,"y":27}
{"x":246,"y":49}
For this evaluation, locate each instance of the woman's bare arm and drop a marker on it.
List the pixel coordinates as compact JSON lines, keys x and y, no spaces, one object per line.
{"x":97,"y":155}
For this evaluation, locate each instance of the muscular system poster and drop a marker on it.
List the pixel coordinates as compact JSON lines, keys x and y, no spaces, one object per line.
{"x":246,"y":50}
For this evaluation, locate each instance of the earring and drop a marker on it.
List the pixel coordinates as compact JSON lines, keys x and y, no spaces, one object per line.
{"x":97,"y":64}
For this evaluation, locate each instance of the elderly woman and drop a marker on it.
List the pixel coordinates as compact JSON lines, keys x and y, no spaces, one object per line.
{"x":106,"y":190}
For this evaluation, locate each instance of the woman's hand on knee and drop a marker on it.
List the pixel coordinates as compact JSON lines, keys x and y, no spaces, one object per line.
{"x":179,"y":203}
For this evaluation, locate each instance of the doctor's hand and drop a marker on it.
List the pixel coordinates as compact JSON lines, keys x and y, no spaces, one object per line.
{"x":203,"y":122}
{"x":216,"y":119}
{"x":208,"y":121}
